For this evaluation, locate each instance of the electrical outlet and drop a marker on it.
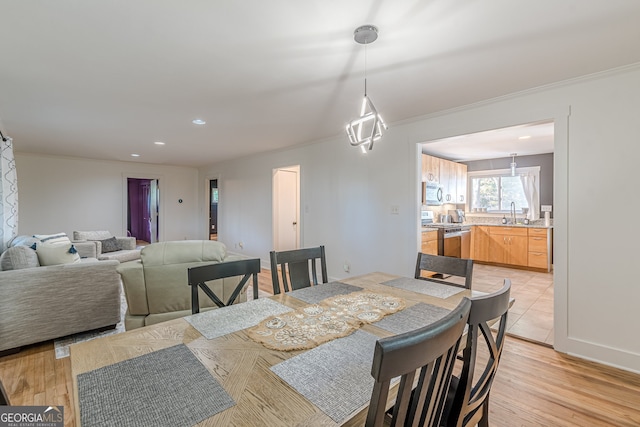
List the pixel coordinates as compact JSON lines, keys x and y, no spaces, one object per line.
{"x":395,"y":210}
{"x":545,"y":208}
{"x":347,"y":267}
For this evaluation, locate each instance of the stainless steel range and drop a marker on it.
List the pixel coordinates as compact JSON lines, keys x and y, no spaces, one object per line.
{"x":454,"y":240}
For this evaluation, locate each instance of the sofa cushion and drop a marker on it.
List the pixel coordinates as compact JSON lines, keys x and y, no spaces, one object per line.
{"x":91,"y":235}
{"x":56,"y":254}
{"x":110,"y":245}
{"x":53,"y":239}
{"x":18,"y":257}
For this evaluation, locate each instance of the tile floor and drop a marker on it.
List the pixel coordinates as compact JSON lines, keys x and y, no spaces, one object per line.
{"x":531,"y":316}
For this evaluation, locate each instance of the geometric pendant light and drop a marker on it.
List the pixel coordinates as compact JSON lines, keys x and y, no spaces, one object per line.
{"x":367,"y":128}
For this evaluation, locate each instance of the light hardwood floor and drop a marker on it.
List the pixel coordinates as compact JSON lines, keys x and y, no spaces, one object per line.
{"x":535,"y":386}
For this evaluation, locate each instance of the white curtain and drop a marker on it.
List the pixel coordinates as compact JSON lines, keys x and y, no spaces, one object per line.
{"x":530,"y":188}
{"x":8,"y":194}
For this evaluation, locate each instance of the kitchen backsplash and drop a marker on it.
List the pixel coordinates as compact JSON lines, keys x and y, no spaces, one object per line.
{"x":475,"y":219}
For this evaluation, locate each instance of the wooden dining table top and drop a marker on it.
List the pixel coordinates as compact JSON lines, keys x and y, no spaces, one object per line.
{"x":238,"y":363}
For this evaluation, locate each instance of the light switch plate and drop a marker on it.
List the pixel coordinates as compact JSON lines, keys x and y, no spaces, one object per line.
{"x":545,"y":208}
{"x":395,"y":210}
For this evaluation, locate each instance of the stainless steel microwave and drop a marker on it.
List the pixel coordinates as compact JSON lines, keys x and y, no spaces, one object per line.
{"x":432,"y":193}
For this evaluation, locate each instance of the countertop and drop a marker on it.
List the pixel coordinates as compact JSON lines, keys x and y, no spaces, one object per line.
{"x":492,"y":224}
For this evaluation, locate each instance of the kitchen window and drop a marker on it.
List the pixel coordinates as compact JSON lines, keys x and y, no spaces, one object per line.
{"x":494,"y":190}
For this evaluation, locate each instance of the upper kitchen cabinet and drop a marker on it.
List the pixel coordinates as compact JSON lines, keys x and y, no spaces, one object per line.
{"x":448,"y":181}
{"x":461,"y":183}
{"x":450,"y":175}
{"x":430,"y":168}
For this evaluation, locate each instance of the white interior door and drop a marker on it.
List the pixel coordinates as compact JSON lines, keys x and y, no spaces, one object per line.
{"x":286,"y":195}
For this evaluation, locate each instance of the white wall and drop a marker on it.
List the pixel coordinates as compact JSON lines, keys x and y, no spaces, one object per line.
{"x":66,"y":194}
{"x":346,"y":202}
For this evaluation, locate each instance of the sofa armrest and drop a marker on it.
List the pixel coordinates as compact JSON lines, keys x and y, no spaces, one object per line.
{"x":86,"y":248}
{"x":135,"y":291}
{"x":126,"y":243}
{"x":42,"y":303}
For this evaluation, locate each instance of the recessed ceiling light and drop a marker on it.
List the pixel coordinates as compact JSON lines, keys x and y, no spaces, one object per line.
{"x":524,"y":137}
{"x":135,"y":155}
{"x":159,"y":143}
{"x":198,"y":121}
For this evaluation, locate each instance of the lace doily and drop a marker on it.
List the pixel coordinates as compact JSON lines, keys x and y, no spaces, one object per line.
{"x":331,"y":318}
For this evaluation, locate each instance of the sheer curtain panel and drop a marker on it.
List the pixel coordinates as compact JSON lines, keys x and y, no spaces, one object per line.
{"x":8,"y":193}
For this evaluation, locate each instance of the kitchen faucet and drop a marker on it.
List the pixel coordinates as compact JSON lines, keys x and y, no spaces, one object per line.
{"x":513,"y":213}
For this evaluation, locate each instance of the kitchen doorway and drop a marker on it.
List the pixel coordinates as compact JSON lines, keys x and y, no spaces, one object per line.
{"x":286,"y":208}
{"x":532,"y":315}
{"x":214,"y":194}
{"x":143,"y":198}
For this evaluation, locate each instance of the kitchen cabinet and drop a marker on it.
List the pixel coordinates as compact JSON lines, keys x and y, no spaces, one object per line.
{"x":461,"y":183}
{"x":429,"y":242}
{"x":448,"y":181}
{"x":450,"y":175}
{"x":429,"y":246}
{"x":480,"y":243}
{"x":509,"y":245}
{"x":539,"y":254}
{"x":430,"y":168}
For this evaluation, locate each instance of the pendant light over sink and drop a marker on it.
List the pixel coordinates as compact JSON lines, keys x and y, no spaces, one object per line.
{"x":513,"y":164}
{"x":364,"y":130}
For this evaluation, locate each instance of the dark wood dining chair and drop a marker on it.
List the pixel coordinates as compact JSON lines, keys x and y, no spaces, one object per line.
{"x":4,"y":397}
{"x":469,"y":394}
{"x":444,"y":265}
{"x":198,"y":276}
{"x":294,"y":268}
{"x":429,"y":352}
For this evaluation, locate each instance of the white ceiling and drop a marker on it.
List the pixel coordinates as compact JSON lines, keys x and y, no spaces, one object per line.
{"x":107,"y":79}
{"x":522,"y":140}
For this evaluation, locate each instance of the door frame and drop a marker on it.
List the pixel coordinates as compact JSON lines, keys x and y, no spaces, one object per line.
{"x":274,"y":217}
{"x":125,"y":201}
{"x":207,"y":202}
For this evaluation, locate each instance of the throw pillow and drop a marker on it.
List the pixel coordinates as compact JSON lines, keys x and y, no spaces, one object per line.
{"x":53,"y":239}
{"x":49,"y":254}
{"x":18,"y":257}
{"x":22,"y":240}
{"x":110,"y":245}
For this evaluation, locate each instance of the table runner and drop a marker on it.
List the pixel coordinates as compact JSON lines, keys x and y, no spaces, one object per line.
{"x":226,"y":320}
{"x":335,"y":376}
{"x":315,"y":294}
{"x":332,"y":318}
{"x":425,"y":287}
{"x":168,"y":387}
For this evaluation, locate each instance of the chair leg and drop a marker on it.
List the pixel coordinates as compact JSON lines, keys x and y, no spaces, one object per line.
{"x":484,"y":421}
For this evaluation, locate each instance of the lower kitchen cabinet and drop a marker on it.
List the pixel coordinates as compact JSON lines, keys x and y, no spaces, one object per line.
{"x":517,"y":246}
{"x":429,"y":246}
{"x":539,"y":248}
{"x":480,"y":243}
{"x":509,"y":245}
{"x":429,"y":242}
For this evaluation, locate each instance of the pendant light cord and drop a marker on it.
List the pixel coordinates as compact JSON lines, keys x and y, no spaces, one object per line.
{"x":365,"y":68}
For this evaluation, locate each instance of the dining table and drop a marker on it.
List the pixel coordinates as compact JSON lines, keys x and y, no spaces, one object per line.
{"x":209,"y":369}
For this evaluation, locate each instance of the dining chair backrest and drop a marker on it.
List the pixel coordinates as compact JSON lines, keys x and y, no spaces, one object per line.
{"x":445,"y":265}
{"x":294,"y":268}
{"x":470,"y":406}
{"x":428,"y":352}
{"x":198,"y":276}
{"x":4,"y":397}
